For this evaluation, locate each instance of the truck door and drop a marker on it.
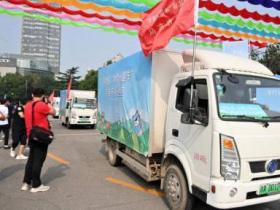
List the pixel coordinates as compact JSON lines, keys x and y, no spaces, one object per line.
{"x":195,"y":135}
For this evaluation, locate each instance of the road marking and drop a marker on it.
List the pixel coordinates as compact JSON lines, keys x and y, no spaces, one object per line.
{"x":58,"y":159}
{"x":76,"y":134}
{"x":135,"y":187}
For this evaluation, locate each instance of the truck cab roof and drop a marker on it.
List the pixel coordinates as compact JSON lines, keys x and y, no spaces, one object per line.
{"x":217,"y":60}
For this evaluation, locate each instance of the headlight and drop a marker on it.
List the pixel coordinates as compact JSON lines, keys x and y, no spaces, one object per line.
{"x":230,"y":160}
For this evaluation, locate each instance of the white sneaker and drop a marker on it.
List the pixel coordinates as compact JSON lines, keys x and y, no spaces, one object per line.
{"x":41,"y":188}
{"x":21,"y":157}
{"x":13,"y":153}
{"x":25,"y":187}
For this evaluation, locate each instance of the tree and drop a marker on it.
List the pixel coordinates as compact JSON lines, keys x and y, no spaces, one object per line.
{"x":64,"y":77}
{"x":12,"y":86}
{"x":269,"y":57}
{"x":90,"y":81}
{"x":18,"y":87}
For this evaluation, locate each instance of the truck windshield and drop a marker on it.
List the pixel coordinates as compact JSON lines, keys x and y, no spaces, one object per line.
{"x":247,"y":98}
{"x":83,"y":103}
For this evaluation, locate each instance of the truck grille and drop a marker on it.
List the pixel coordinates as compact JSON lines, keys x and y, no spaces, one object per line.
{"x":259,"y":166}
{"x":84,"y":117}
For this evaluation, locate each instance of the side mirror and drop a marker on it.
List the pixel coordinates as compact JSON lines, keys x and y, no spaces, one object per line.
{"x":186,"y":118}
{"x":195,"y":116}
{"x":200,"y":116}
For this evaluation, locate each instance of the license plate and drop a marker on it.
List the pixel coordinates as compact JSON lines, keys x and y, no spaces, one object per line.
{"x":87,"y":122}
{"x":269,"y":189}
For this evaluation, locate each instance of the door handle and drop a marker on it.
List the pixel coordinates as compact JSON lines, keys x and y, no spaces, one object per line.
{"x":175,"y":132}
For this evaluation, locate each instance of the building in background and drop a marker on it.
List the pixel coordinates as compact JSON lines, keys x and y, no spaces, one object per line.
{"x":41,"y":40}
{"x":24,"y":65}
{"x":7,"y":66}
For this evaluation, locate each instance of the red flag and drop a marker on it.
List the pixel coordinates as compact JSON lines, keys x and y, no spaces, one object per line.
{"x":51,"y":97}
{"x":69,"y":88}
{"x":167,"y":19}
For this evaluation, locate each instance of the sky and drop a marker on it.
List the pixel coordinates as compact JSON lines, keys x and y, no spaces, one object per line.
{"x":83,"y":47}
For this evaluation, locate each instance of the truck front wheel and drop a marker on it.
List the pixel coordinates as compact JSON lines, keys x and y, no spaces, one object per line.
{"x":176,"y":190}
{"x":113,"y":158}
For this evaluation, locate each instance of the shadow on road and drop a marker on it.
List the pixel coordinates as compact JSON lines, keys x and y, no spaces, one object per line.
{"x":9,"y":171}
{"x":55,"y":172}
{"x":103,"y":150}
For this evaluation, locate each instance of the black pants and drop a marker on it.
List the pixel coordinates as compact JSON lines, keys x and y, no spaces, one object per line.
{"x":18,"y":136}
{"x":6,"y":131}
{"x":34,"y":164}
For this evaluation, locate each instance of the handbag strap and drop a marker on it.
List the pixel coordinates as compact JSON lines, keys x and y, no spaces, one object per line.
{"x":32,"y":112}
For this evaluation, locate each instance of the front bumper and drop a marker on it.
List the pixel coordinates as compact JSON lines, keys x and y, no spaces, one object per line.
{"x":246,"y":193}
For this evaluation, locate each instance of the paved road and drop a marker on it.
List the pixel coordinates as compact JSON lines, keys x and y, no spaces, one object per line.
{"x":81,"y":179}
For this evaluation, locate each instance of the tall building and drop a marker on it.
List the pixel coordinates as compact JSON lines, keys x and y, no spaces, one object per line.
{"x":41,"y":40}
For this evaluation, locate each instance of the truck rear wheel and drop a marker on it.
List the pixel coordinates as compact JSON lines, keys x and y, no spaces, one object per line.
{"x":176,"y":190}
{"x":113,"y":158}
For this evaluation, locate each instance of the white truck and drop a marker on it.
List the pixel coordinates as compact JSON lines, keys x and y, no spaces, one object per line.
{"x":78,"y":109}
{"x":224,"y":148}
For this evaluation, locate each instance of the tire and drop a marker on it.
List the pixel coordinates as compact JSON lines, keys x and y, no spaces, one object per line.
{"x":68,"y":125}
{"x":92,"y":126}
{"x":176,"y":190}
{"x":113,"y":158}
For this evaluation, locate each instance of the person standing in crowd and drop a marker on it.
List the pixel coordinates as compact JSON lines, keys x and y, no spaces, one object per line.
{"x":38,"y":151}
{"x":18,"y":133}
{"x":4,"y":124}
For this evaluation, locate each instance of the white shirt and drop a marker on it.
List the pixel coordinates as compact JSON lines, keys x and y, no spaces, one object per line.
{"x":4,"y":110}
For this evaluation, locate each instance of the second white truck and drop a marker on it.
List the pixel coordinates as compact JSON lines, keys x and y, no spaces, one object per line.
{"x":224,"y":148}
{"x":78,"y":109}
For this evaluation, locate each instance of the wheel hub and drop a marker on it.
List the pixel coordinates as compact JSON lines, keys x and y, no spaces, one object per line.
{"x":174,"y":188}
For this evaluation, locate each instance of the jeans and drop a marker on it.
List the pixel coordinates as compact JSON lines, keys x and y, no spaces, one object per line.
{"x":36,"y":158}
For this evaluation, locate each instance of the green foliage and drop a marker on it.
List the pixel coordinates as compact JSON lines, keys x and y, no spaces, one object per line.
{"x":270,"y":57}
{"x":64,"y":77}
{"x":18,"y":87}
{"x":90,"y":81}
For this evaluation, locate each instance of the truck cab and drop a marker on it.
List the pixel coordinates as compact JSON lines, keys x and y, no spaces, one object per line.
{"x":222,"y":133}
{"x":79,"y":109}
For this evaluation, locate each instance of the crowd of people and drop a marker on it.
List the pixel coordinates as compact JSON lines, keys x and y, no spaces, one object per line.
{"x":21,"y":118}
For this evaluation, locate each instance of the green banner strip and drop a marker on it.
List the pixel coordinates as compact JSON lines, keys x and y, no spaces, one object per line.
{"x":240,"y":22}
{"x":149,"y":3}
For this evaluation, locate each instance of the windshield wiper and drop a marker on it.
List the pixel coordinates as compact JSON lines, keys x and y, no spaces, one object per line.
{"x":271,"y":117}
{"x":253,"y":119}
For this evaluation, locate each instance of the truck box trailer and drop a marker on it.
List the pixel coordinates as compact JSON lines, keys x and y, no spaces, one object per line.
{"x":213,"y":136}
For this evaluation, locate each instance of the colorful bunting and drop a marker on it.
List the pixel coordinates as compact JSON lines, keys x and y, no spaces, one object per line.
{"x":265,"y":3}
{"x":218,"y":20}
{"x":244,"y":13}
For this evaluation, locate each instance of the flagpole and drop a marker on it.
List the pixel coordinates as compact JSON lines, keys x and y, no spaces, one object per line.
{"x":193,"y":68}
{"x":194,"y":53}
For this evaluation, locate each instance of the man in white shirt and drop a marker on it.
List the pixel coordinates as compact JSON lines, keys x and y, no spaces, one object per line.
{"x":4,"y":124}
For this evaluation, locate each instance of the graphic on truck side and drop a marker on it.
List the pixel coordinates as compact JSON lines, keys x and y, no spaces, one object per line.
{"x":127,"y":120}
